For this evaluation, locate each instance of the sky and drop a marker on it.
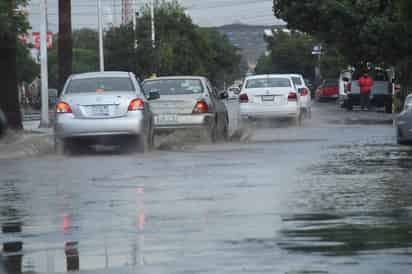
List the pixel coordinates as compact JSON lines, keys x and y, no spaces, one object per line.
{"x":203,"y":12}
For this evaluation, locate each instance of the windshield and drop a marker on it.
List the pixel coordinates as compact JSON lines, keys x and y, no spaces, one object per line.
{"x":268,"y":83}
{"x":174,"y":86}
{"x":297,"y":81}
{"x":100,"y":85}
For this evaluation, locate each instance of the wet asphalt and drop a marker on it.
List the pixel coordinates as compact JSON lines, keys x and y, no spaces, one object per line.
{"x":332,"y":196}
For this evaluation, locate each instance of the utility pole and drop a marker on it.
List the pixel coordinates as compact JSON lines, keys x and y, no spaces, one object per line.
{"x":65,"y":42}
{"x":318,"y":51}
{"x":44,"y":122}
{"x":152,"y":19}
{"x":155,"y":53}
{"x":135,"y":14}
{"x":100,"y":22}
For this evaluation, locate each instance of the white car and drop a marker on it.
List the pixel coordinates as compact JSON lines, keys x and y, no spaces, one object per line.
{"x":270,"y":96}
{"x":304,"y":92}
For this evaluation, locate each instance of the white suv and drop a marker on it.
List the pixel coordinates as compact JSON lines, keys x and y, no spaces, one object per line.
{"x":304,"y":92}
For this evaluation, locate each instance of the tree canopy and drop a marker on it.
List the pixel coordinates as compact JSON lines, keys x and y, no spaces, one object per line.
{"x":85,"y":54}
{"x":291,"y":52}
{"x":362,"y":30}
{"x":181,"y":47}
{"x":12,"y":23}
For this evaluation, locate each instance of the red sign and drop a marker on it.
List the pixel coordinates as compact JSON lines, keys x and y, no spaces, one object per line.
{"x":36,"y":40}
{"x":24,"y":38}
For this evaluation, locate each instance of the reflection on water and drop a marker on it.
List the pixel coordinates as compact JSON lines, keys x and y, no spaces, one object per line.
{"x":12,"y":255}
{"x":362,"y":199}
{"x":66,"y":248}
{"x":346,"y":236}
{"x":72,"y":256}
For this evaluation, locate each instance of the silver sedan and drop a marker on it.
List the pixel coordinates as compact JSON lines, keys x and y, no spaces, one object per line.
{"x":188,"y":102}
{"x":404,"y":123}
{"x":96,"y":107}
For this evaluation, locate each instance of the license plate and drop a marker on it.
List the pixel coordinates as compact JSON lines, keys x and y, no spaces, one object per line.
{"x":166,"y":119}
{"x":268,"y":98}
{"x":100,"y":110}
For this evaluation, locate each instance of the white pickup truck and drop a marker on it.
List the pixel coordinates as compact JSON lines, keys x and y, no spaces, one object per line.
{"x":380,"y":96}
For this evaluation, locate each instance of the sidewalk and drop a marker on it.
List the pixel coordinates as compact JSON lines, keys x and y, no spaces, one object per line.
{"x":30,"y":142}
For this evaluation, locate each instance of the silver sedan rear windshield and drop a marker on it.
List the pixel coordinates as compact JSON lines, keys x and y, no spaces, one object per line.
{"x":111,"y":84}
{"x":268,"y":83}
{"x":173,"y":86}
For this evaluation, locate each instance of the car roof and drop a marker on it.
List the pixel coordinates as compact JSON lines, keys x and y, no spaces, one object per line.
{"x":116,"y":74}
{"x":263,"y":76}
{"x":175,"y":78}
{"x":293,"y":75}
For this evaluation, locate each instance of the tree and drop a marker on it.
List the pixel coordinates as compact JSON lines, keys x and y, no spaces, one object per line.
{"x":12,"y":23}
{"x":27,"y":68}
{"x":362,"y":30}
{"x":225,"y":64}
{"x":65,"y":43}
{"x":376,"y":31}
{"x":85,"y":55}
{"x":182,"y":48}
{"x":289,"y":52}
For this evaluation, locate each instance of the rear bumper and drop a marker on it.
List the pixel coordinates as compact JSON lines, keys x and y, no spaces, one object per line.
{"x":330,"y":96}
{"x":379,"y":100}
{"x":67,"y":126}
{"x":289,"y":110}
{"x":185,"y":121}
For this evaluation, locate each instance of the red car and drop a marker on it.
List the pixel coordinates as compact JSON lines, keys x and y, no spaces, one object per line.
{"x":329,"y":89}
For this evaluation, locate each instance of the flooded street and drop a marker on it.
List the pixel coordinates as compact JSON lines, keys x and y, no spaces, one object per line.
{"x":333,"y":196}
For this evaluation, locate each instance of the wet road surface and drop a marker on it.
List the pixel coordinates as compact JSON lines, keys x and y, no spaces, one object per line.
{"x":330,"y":197}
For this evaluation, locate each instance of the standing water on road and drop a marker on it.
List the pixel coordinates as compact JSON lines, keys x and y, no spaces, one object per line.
{"x":323,"y":198}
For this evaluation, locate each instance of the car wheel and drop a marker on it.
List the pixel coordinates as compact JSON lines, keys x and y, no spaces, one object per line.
{"x":213,"y":133}
{"x":225,"y":131}
{"x":388,"y":107}
{"x":399,"y":139}
{"x":142,"y":143}
{"x":152,"y":140}
{"x":349,"y":107}
{"x":2,"y":129}
{"x":62,"y":146}
{"x":298,"y":120}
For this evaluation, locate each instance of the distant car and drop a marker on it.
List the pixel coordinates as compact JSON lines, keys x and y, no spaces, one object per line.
{"x":304,"y":92}
{"x":380,"y":96}
{"x":233,"y":91}
{"x":328,"y":89}
{"x":3,"y":123}
{"x":404,"y":123}
{"x":188,"y":102}
{"x":53,"y":97}
{"x":98,"y":107}
{"x":270,"y":96}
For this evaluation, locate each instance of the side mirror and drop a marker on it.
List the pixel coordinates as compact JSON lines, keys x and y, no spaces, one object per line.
{"x":224,"y":95}
{"x":153,"y":95}
{"x":236,"y":91}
